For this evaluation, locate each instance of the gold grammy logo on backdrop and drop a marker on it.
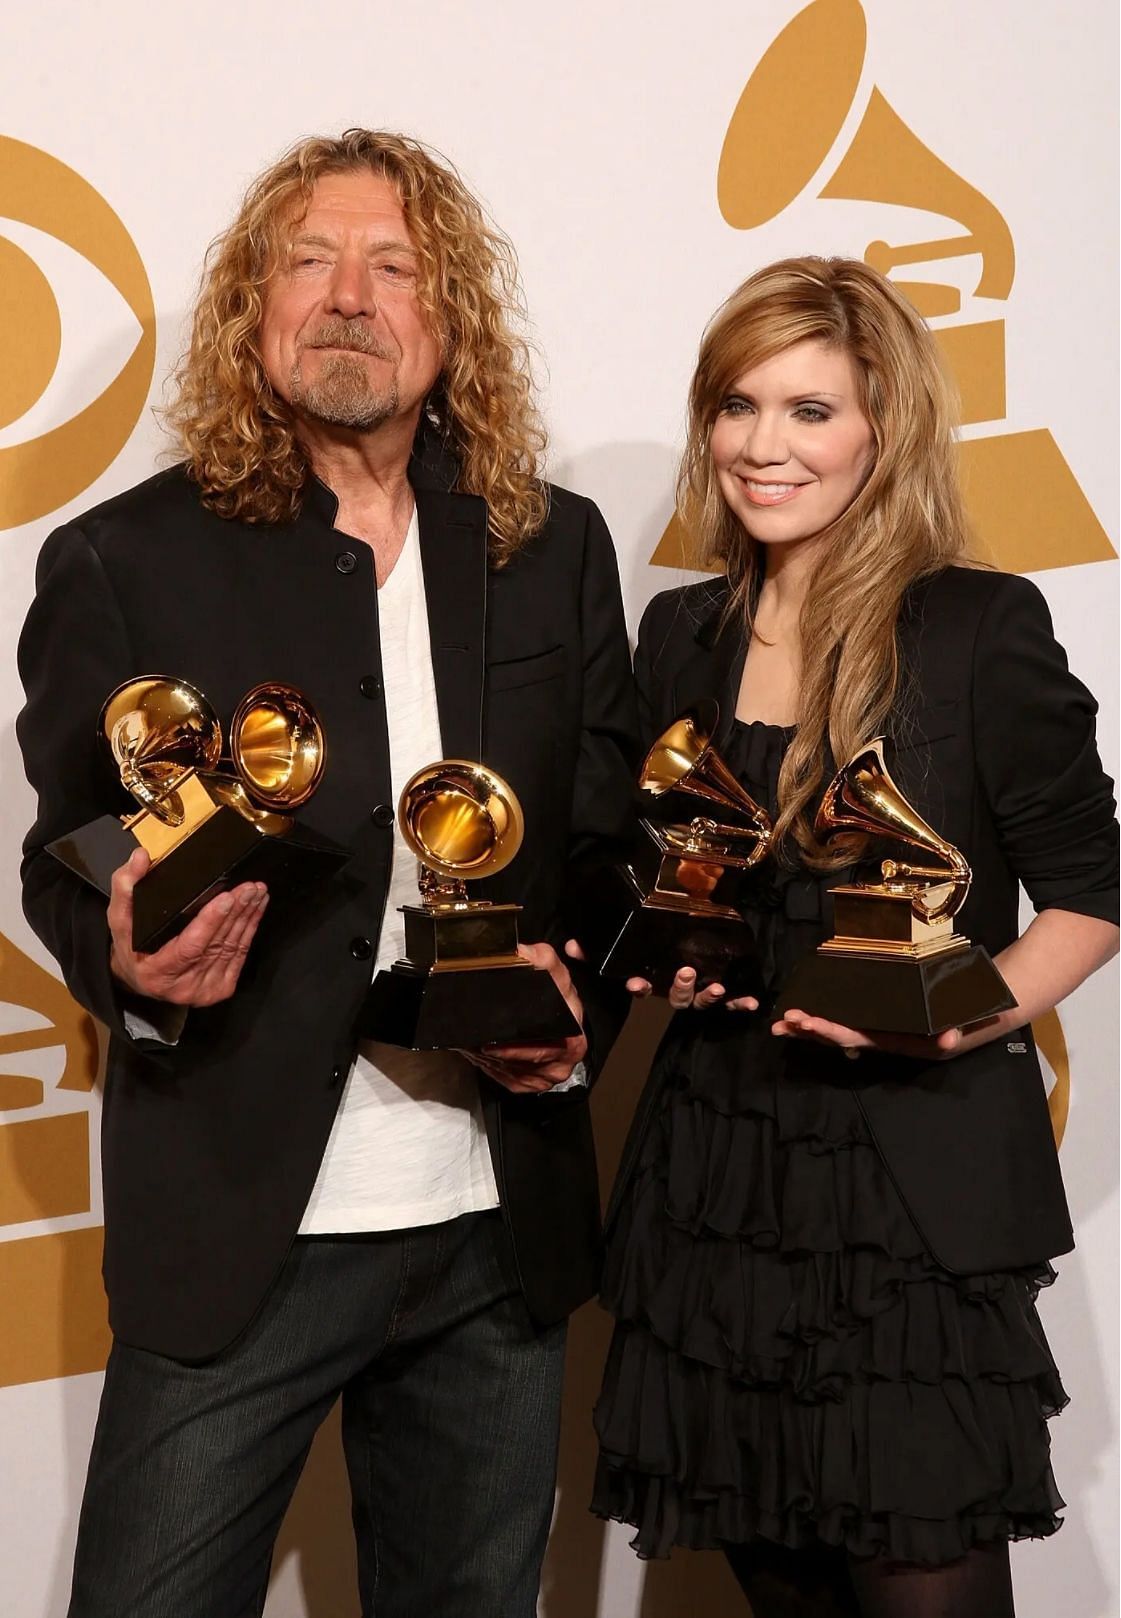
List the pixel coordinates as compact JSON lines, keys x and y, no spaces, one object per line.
{"x":1025,"y":503}
{"x":46,"y":470}
{"x":54,"y":1307}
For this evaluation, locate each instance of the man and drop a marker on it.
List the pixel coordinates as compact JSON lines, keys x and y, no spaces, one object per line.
{"x":292,"y":1212}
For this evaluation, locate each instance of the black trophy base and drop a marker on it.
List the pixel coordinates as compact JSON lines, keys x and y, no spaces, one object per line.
{"x":897,"y":995}
{"x":626,"y":936}
{"x":466,"y":1009}
{"x":224,"y":850}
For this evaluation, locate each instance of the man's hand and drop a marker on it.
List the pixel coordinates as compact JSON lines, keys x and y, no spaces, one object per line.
{"x":201,"y":966}
{"x":535,"y":1069}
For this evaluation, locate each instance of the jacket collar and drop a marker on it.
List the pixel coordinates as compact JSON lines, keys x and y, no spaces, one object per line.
{"x":713,"y":665}
{"x":453,"y":551}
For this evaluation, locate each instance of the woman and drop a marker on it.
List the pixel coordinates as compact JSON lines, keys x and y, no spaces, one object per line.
{"x":826,"y":1243}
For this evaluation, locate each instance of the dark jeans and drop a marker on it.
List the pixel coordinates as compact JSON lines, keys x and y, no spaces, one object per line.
{"x":451,"y":1405}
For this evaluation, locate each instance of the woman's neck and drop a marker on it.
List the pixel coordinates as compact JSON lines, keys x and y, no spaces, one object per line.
{"x":786,"y":575}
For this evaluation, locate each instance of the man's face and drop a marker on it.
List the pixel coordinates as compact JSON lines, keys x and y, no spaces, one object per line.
{"x":343,"y":337}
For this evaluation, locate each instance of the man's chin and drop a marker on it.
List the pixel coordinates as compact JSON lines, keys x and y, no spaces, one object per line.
{"x":333,"y":408}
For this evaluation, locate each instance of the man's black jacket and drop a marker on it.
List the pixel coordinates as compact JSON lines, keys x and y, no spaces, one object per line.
{"x":210,"y":1148}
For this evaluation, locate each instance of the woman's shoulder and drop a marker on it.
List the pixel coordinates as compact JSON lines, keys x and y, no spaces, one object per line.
{"x":972,"y":590}
{"x":686,"y":609}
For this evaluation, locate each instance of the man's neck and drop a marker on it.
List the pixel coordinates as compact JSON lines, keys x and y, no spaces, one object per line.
{"x":367,"y":472}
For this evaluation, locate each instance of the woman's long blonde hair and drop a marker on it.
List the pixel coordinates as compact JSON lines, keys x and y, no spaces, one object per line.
{"x":238,"y":437}
{"x":906,"y":523}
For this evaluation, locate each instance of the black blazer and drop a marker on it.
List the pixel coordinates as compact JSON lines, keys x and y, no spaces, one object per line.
{"x":211,"y":1147}
{"x":993,"y":742}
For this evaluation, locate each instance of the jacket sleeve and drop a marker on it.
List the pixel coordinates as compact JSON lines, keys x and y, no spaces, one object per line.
{"x":74,"y":649}
{"x":602,"y":823}
{"x":1037,"y":758}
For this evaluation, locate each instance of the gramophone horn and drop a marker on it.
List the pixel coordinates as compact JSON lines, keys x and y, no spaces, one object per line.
{"x":863,"y":797}
{"x":683,"y":759}
{"x":461,"y":819}
{"x":158,"y":729}
{"x":277,"y":746}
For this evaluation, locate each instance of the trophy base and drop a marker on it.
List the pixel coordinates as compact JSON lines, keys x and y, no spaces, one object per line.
{"x":465,"y":1009}
{"x":919,"y":994}
{"x":629,"y":936}
{"x":221,"y":852}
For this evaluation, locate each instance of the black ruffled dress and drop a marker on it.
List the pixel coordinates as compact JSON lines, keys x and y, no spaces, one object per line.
{"x":788,"y":1360}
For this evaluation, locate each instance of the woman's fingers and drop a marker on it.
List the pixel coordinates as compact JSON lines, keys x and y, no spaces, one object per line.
{"x":681,"y":989}
{"x":743,"y":1002}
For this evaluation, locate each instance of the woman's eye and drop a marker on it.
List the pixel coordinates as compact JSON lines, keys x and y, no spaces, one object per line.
{"x":734,"y":407}
{"x":808,"y":412}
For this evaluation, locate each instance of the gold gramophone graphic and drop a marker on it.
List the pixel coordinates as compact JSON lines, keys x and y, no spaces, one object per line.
{"x":50,"y":1279}
{"x":462,"y":983}
{"x":673,"y":904}
{"x":1023,"y":499}
{"x":894,"y":963}
{"x":205,"y":822}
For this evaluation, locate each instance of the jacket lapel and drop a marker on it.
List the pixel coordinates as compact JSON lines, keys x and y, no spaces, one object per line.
{"x":713,"y":663}
{"x":453,"y":550}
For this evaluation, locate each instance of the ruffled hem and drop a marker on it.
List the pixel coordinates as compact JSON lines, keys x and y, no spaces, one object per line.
{"x":790,"y":1362}
{"x":917,"y":1472}
{"x":665,"y":1517}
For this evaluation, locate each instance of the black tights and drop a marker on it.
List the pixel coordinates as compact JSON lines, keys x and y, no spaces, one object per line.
{"x":825,"y":1583}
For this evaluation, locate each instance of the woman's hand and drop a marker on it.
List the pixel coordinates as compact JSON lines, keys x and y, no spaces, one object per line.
{"x":922,"y":1047}
{"x":683,"y":992}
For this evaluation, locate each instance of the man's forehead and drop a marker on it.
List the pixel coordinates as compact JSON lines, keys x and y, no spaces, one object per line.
{"x":348,"y":199}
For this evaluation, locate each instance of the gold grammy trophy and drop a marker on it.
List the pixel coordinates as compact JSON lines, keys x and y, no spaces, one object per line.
{"x":205,"y":822}
{"x":895,"y":963}
{"x":673,"y":904}
{"x":462,"y":983}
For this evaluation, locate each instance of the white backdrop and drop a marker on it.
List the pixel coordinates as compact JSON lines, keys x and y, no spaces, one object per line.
{"x":594,"y":133}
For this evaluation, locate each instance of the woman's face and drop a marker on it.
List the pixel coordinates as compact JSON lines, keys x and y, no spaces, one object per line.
{"x":791,"y":445}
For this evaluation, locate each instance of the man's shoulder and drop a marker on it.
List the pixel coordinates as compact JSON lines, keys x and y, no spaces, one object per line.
{"x":171,"y":489}
{"x":571,"y":513}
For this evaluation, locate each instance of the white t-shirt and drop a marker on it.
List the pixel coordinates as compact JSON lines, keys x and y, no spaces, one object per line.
{"x":408,"y":1146}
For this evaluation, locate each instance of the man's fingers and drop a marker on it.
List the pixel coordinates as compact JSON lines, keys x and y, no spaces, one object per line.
{"x":202,"y":932}
{"x":639,"y":987}
{"x":550,"y":1051}
{"x":230,"y":951}
{"x":745,"y":1002}
{"x":574,"y":951}
{"x":125,"y":878}
{"x":546,"y":959}
{"x":709,"y":996}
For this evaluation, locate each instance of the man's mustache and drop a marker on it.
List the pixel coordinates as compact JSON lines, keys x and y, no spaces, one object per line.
{"x":349,"y":334}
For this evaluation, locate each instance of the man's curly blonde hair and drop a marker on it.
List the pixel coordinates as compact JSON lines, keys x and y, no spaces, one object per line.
{"x":239,"y":438}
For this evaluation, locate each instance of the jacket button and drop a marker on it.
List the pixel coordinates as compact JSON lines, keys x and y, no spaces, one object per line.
{"x":370,"y":686}
{"x":383,"y":815}
{"x":346,"y":561}
{"x":361,"y":949}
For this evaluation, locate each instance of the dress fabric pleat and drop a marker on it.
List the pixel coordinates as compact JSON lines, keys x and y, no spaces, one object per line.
{"x":789,"y":1361}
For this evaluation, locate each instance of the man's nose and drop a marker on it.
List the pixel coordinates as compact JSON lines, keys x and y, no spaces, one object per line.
{"x":350,"y":291}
